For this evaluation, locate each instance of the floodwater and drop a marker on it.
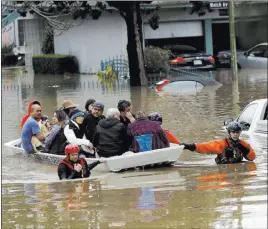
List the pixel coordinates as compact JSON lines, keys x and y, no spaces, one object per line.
{"x":195,"y":193}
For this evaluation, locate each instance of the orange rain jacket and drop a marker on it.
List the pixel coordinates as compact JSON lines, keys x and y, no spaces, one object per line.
{"x":171,"y":137}
{"x":218,"y":147}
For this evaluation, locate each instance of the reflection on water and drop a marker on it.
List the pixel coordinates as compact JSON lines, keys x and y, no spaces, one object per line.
{"x":218,"y":197}
{"x":193,"y":194}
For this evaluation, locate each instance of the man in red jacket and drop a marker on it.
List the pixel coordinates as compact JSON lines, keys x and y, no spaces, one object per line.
{"x":229,"y":150}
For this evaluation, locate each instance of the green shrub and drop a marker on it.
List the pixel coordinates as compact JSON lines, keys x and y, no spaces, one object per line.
{"x":9,"y":59}
{"x":156,"y":59}
{"x":7,"y":49}
{"x":55,"y":64}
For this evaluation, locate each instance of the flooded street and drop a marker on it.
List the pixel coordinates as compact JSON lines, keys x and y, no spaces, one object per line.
{"x":195,"y":193}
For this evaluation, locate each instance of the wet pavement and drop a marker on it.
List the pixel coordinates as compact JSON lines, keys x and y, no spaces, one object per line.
{"x":195,"y":193}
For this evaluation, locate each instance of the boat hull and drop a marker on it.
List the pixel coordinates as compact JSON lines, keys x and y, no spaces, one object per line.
{"x":149,"y":159}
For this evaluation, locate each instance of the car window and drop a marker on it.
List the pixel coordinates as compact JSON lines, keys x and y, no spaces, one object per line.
{"x":248,"y":114}
{"x":259,"y":51}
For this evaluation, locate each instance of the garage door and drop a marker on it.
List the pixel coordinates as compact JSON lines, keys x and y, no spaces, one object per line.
{"x":174,"y":29}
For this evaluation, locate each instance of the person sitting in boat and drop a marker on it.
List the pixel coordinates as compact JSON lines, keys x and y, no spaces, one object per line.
{"x":89,"y":106}
{"x":92,"y":119}
{"x":229,"y":150}
{"x":56,"y":141}
{"x":155,"y":116}
{"x":125,"y":112}
{"x":68,"y":107}
{"x":73,"y":167}
{"x":146,"y":135}
{"x":111,"y":135}
{"x":31,"y":128}
{"x":74,"y":133}
{"x":24,"y":119}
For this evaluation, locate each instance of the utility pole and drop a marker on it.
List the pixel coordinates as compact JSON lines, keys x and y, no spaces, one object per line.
{"x":232,"y":37}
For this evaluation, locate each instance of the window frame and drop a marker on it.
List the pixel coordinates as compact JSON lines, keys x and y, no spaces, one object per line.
{"x":256,"y":47}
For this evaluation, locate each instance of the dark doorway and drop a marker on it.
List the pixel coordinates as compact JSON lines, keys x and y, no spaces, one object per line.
{"x":221,"y":38}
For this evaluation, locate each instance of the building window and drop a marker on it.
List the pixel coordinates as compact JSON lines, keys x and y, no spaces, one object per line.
{"x":21,"y":29}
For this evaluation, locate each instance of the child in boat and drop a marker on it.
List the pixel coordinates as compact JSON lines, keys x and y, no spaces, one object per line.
{"x":155,"y":116}
{"x":44,"y":128}
{"x":73,"y":167}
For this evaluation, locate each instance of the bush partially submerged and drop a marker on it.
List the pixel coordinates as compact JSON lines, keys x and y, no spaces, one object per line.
{"x":55,"y":64}
{"x":9,"y":59}
{"x":156,"y":59}
{"x":7,"y":49}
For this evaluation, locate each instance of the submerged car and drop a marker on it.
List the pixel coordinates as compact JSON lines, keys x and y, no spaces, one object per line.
{"x":188,"y":57}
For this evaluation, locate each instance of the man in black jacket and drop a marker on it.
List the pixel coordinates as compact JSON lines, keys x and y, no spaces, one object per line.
{"x":73,"y":167}
{"x":92,"y":119}
{"x":111,"y":136}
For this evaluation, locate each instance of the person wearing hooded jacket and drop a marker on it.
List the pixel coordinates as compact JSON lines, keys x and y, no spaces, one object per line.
{"x":111,"y":135}
{"x":73,"y":167}
{"x":25,"y":117}
{"x":229,"y":150}
{"x":74,"y":133}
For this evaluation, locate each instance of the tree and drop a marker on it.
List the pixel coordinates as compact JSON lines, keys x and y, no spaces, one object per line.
{"x":129,"y":10}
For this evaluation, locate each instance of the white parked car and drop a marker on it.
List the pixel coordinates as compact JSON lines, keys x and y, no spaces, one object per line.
{"x":255,"y":57}
{"x":253,"y":118}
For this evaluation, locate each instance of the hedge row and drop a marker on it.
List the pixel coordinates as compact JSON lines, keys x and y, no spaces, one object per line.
{"x":9,"y":60}
{"x":55,"y":64}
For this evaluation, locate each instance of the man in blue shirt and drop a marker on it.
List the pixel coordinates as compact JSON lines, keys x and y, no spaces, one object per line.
{"x":31,"y":128}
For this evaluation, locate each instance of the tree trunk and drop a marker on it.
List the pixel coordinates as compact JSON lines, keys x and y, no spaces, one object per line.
{"x":134,"y":47}
{"x":140,"y":24}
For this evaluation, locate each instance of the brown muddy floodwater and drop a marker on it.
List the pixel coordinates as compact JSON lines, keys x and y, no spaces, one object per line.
{"x":196,"y":193}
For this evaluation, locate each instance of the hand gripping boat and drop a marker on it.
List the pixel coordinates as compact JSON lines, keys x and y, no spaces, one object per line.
{"x":159,"y":157}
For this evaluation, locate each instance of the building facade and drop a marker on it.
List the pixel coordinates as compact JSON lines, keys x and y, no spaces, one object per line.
{"x":97,"y":40}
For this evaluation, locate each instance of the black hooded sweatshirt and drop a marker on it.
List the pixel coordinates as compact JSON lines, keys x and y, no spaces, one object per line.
{"x":111,"y":138}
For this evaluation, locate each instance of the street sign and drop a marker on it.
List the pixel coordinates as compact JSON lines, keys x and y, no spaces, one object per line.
{"x":218,"y":5}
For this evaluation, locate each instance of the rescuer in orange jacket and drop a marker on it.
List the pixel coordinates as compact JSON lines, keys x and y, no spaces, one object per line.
{"x":155,"y":116}
{"x":229,"y":150}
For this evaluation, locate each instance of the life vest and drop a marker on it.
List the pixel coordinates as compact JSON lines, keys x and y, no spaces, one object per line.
{"x":80,"y":161}
{"x":65,"y":161}
{"x":230,"y":155}
{"x":171,"y":137}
